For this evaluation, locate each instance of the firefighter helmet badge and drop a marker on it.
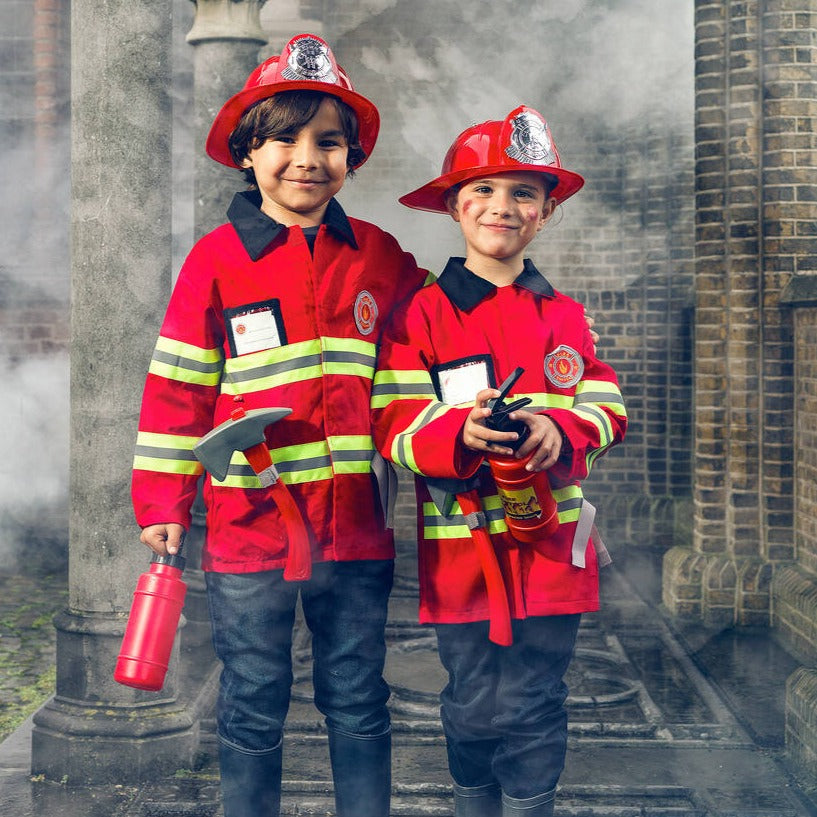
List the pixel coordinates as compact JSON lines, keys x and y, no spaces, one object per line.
{"x":365,"y":312}
{"x":564,"y":367}
{"x":530,"y":140}
{"x":309,"y":59}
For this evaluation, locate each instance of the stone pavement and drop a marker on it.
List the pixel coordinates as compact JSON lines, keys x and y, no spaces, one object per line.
{"x":662,"y":724}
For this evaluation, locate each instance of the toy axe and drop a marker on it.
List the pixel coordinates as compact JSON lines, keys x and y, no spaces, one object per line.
{"x":244,"y":432}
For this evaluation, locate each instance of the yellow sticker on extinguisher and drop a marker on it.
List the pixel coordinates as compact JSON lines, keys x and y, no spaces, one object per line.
{"x":521,"y":504}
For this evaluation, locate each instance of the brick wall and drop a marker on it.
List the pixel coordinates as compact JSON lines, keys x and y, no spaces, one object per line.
{"x":623,"y":245}
{"x":754,"y":143}
{"x":34,"y":100}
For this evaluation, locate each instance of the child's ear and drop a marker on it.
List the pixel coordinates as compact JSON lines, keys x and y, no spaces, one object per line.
{"x":246,"y":162}
{"x":547,"y":210}
{"x":451,"y":206}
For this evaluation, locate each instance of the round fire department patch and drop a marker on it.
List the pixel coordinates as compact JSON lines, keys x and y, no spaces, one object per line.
{"x":564,"y":367}
{"x":365,"y":312}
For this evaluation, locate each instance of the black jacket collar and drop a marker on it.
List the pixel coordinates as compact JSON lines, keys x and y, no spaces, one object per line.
{"x":257,"y":230}
{"x":465,"y":290}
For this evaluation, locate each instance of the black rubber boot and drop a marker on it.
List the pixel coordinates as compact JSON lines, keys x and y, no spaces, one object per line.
{"x":361,"y":769}
{"x":477,"y":801}
{"x":539,"y":806}
{"x":250,"y":782}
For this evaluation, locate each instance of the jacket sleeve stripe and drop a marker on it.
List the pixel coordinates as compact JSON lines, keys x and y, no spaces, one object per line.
{"x":390,"y":384}
{"x":402,"y":452}
{"x":166,"y":454}
{"x":174,"y":360}
{"x":599,"y":419}
{"x":162,"y":465}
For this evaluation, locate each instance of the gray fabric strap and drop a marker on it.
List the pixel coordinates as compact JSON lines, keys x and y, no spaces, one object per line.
{"x":387,"y":486}
{"x":584,"y":528}
{"x":476,"y":520}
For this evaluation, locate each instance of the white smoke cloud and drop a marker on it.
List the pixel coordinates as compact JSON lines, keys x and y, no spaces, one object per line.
{"x":34,"y":413}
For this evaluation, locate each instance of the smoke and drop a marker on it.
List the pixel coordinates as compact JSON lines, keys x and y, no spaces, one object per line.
{"x":34,"y":463}
{"x":34,"y":309}
{"x":596,"y":69}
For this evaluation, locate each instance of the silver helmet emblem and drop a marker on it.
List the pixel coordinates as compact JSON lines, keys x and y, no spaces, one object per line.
{"x":530,"y":142}
{"x":309,"y":59}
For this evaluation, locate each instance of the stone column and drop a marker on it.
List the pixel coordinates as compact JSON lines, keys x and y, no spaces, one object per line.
{"x":753,"y":558}
{"x":746,"y":176}
{"x":227,"y":36}
{"x":94,"y":730}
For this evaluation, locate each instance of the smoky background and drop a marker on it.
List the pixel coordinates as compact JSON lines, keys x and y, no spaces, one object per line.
{"x":615,"y":80}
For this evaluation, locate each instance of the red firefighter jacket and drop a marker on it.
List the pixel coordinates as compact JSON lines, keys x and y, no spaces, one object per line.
{"x":255,"y":316}
{"x":454,"y":338}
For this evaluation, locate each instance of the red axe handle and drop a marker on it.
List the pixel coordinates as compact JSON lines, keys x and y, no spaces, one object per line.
{"x":500,"y":614}
{"x":299,"y":558}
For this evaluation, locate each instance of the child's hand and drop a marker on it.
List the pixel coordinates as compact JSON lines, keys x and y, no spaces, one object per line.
{"x":477,"y":436}
{"x":544,"y":440}
{"x":163,"y":539}
{"x":591,"y":322}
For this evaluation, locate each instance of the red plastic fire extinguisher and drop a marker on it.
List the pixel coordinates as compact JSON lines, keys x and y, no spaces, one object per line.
{"x":152,"y":624}
{"x":530,"y":510}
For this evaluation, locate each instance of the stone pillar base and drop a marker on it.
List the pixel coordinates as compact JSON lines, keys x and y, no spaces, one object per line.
{"x":794,"y":592}
{"x":795,"y":611}
{"x":95,"y":731}
{"x":717,"y":589}
{"x":801,"y":721}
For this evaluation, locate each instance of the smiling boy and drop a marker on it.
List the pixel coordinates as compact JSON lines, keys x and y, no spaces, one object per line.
{"x":441,"y":358}
{"x":283,"y":307}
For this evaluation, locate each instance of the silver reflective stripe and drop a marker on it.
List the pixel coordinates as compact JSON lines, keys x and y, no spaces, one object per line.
{"x":584,"y":528}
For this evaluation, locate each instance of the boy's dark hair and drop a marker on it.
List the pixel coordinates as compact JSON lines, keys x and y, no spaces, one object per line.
{"x":286,"y":113}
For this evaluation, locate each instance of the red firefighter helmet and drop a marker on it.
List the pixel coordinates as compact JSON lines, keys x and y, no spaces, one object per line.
{"x":521,"y":142}
{"x":306,"y":63}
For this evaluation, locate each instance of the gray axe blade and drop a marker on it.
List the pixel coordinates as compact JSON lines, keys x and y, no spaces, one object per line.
{"x":215,"y":449}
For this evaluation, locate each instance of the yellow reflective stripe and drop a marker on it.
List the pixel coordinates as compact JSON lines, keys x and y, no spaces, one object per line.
{"x":394,"y":384}
{"x":269,"y":368}
{"x":591,"y":458}
{"x":601,"y":393}
{"x":348,"y":356}
{"x":352,"y":454}
{"x":164,"y":466}
{"x":437,"y":526}
{"x":240,"y":474}
{"x":166,"y":454}
{"x":186,"y":363}
{"x":568,"y":493}
{"x":170,"y":441}
{"x":401,"y":451}
{"x":309,"y":462}
{"x":599,"y":419}
{"x":545,"y":400}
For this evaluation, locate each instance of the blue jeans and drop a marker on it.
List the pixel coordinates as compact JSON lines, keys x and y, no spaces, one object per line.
{"x":252,"y":615}
{"x":503,"y":707}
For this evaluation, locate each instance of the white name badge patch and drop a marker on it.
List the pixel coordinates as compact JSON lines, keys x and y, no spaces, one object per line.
{"x":255,"y":328}
{"x":461,"y":383}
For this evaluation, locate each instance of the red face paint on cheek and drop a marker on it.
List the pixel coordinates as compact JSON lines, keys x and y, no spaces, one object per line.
{"x":466,"y":206}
